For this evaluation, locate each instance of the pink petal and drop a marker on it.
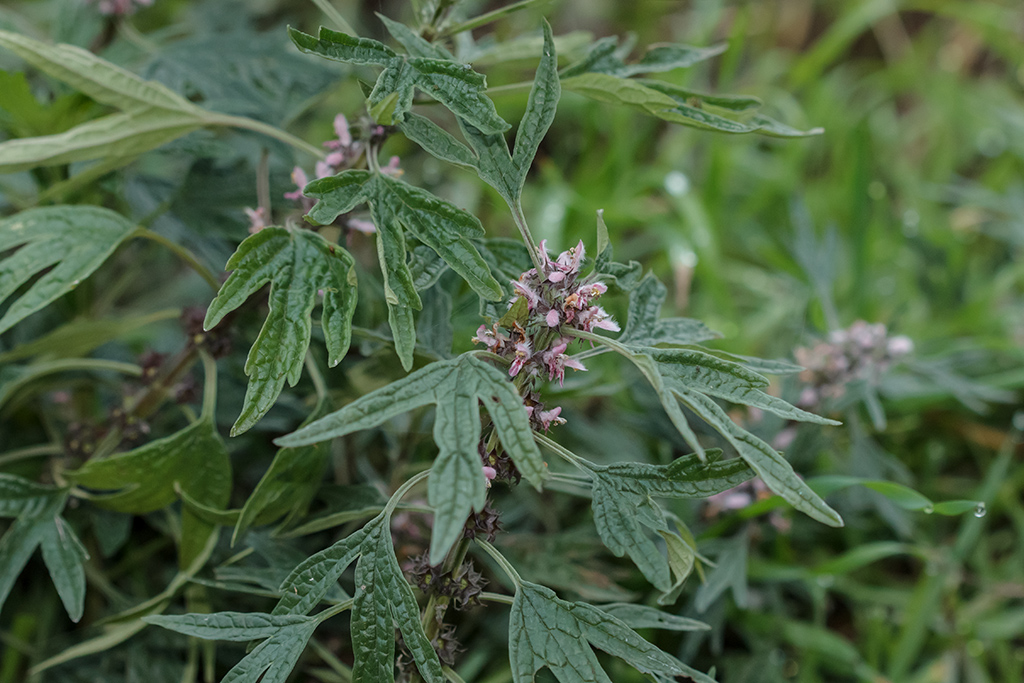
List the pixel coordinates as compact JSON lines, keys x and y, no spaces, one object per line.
{"x":552,"y":318}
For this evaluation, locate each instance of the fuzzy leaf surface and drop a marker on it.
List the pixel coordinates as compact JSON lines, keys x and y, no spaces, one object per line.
{"x":546,"y":631}
{"x":623,"y":503}
{"x":382,"y":598}
{"x":74,"y":240}
{"x":147,"y":478}
{"x":457,"y":485}
{"x":488,"y":152}
{"x":454,"y":85}
{"x":298,"y":264}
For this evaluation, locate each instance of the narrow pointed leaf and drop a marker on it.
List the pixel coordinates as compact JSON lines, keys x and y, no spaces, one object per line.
{"x":64,"y":555}
{"x":99,"y":79}
{"x":310,"y":581}
{"x":644,"y":326}
{"x":403,"y":332}
{"x":75,"y":239}
{"x":642,"y":616}
{"x":540,"y":110}
{"x":625,"y":513}
{"x":457,"y":485}
{"x":415,"y":45}
{"x":232,"y":626}
{"x":289,"y":484}
{"x":382,"y":598}
{"x":298,"y":264}
{"x":769,"y":464}
{"x":38,"y":509}
{"x":437,"y":141}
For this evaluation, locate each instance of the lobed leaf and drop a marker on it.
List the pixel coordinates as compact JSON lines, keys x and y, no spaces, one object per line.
{"x":456,"y":387}
{"x":382,"y":598}
{"x":454,"y":85}
{"x":624,"y":508}
{"x":299,"y":264}
{"x":546,"y":631}
{"x":74,"y":240}
{"x":39,"y":524}
{"x":193,"y":461}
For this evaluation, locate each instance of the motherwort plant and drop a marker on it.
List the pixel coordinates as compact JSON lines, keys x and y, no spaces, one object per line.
{"x":494,"y":420}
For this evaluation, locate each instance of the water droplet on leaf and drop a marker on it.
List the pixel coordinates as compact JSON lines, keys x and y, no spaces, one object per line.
{"x":979,"y":510}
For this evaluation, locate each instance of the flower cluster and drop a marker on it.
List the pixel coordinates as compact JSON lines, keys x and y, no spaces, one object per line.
{"x":861,"y":352}
{"x":119,"y":8}
{"x":556,"y":300}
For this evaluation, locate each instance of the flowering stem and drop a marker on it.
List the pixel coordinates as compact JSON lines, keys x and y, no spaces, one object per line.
{"x":524,"y":231}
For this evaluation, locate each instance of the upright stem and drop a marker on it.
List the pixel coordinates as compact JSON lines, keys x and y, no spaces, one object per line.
{"x":524,"y":232}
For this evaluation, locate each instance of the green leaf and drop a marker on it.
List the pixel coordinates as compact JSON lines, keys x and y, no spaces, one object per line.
{"x":75,"y":240}
{"x":403,"y":332}
{"x":730,"y":572}
{"x":271,"y":661}
{"x":298,"y":264}
{"x":623,"y":504}
{"x":398,"y":207}
{"x":769,"y":464}
{"x":117,"y":137}
{"x":193,"y":460}
{"x":545,"y":631}
{"x":904,"y":496}
{"x":615,"y":275}
{"x":504,"y":171}
{"x":289,"y":484}
{"x":382,"y":598}
{"x":151,"y":114}
{"x":676,"y":106}
{"x":455,"y":386}
{"x":454,"y":85}
{"x":605,"y":57}
{"x":642,"y":616}
{"x":415,"y":45}
{"x":540,"y":110}
{"x":39,"y":524}
{"x":645,"y":328}
{"x":233,"y":626}
{"x":99,"y":79}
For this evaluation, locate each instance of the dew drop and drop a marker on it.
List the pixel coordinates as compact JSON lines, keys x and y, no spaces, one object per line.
{"x":979,"y":510}
{"x":928,"y":509}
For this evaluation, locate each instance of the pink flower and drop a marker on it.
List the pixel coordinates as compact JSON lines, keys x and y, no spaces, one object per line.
{"x":341,"y":130}
{"x":300,"y":180}
{"x":527,"y":293}
{"x":556,"y":276}
{"x":392,"y":168}
{"x":552,"y":318}
{"x":489,"y":473}
{"x":323,"y":169}
{"x":492,"y":339}
{"x":550,"y":417}
{"x":569,"y":260}
{"x":257,"y":219}
{"x":523,"y":352}
{"x":557,"y":362}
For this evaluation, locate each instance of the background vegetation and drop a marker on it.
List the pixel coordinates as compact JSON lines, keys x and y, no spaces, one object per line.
{"x":906,"y":211}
